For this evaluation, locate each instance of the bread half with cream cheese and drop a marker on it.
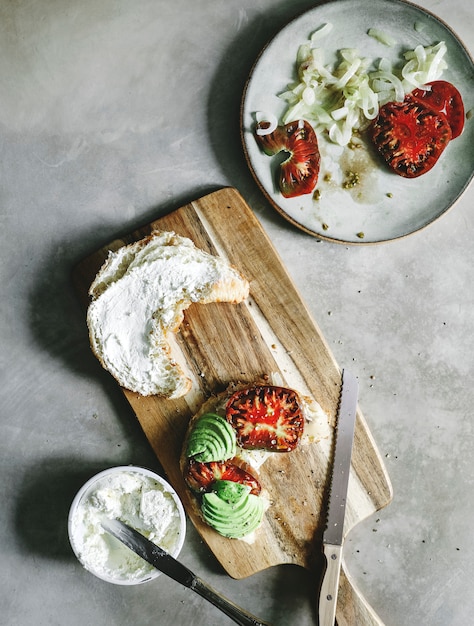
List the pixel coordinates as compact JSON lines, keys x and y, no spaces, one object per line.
{"x":137,"y":302}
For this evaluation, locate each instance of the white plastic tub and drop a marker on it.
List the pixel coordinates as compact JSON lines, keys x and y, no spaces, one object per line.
{"x":137,"y":496}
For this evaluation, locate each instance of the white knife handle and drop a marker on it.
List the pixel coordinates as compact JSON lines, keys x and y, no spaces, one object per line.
{"x":330,"y":585}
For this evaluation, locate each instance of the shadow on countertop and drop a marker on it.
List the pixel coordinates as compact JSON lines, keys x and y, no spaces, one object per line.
{"x":43,"y":506}
{"x":57,"y":319}
{"x":57,"y":324}
{"x":226,"y":92}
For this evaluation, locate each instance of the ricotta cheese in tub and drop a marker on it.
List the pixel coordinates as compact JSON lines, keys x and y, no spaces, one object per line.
{"x":137,"y":499}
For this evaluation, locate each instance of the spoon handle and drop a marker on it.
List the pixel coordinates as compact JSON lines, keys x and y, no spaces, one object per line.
{"x":238,"y":615}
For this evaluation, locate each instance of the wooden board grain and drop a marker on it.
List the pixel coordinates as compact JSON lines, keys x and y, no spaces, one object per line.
{"x":271,"y":332}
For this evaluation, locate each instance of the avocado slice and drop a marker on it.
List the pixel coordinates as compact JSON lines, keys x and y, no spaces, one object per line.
{"x":212,"y":439}
{"x":232,"y":510}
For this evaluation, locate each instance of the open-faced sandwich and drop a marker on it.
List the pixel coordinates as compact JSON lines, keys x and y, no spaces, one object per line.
{"x":229,"y":439}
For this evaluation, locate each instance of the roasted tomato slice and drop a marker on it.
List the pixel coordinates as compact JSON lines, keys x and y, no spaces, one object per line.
{"x":298,"y":173}
{"x":201,"y":476}
{"x":266,"y":417}
{"x":443,"y":97}
{"x":410,"y":136}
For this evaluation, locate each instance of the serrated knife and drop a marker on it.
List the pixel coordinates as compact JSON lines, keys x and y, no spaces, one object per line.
{"x":333,"y":536}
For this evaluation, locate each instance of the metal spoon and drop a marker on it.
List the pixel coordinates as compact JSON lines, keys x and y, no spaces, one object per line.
{"x":167,"y":564}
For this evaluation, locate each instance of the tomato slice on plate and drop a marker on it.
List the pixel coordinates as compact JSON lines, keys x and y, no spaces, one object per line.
{"x":266,"y":417}
{"x":443,"y":97}
{"x":299,"y":172}
{"x":410,"y":136}
{"x":201,"y":476}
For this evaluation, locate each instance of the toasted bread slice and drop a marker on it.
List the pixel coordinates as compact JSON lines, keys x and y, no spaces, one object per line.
{"x":138,"y":299}
{"x":199,"y":478}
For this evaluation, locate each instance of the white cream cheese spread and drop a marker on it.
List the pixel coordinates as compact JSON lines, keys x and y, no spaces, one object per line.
{"x":139,"y":296}
{"x":137,"y":500}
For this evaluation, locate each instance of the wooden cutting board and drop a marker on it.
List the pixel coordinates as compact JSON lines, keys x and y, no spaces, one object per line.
{"x":272,"y":331}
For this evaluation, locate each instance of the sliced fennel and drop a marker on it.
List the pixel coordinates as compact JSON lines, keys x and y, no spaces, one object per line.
{"x":344,"y":98}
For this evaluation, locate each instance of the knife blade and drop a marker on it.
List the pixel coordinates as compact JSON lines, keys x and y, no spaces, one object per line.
{"x":333,"y":536}
{"x":167,"y":564}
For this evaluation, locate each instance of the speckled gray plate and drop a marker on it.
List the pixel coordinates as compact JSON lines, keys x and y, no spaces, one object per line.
{"x":383,"y":206}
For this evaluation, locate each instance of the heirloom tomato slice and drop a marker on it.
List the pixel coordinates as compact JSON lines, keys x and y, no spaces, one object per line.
{"x":410,"y":136}
{"x":201,"y":476}
{"x":299,"y":172}
{"x":443,"y":97}
{"x":266,"y":417}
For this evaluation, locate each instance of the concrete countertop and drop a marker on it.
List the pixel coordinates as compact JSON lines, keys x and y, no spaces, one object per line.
{"x":111,"y":114}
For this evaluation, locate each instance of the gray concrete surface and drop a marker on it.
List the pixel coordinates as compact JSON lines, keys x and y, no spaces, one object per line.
{"x":112,"y":113}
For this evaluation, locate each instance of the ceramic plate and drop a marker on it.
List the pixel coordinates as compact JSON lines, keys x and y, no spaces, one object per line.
{"x":383,"y":206}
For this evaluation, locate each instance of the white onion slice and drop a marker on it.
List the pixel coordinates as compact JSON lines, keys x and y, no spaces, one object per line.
{"x":339,"y":114}
{"x":342,"y":82}
{"x":266,"y":117}
{"x":343,"y":97}
{"x":321,"y":32}
{"x":381,"y":36}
